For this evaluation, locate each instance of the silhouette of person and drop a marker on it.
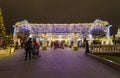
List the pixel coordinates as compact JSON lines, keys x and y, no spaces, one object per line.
{"x":87,"y":47}
{"x":28,"y":47}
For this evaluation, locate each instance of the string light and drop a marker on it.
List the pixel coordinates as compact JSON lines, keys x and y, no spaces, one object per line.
{"x":84,"y":28}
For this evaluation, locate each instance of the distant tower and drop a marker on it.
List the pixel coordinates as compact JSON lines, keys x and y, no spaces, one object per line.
{"x":2,"y":27}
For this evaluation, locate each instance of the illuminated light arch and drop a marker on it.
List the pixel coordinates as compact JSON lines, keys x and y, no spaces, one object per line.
{"x":83,"y":29}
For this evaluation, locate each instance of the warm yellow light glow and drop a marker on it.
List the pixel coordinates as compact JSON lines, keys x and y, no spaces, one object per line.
{"x":6,"y":52}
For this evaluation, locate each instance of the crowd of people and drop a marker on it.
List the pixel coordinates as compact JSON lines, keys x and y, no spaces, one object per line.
{"x":32,"y":47}
{"x":57,"y":44}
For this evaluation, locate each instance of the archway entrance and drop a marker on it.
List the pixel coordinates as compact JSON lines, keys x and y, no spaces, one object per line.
{"x":67,"y":33}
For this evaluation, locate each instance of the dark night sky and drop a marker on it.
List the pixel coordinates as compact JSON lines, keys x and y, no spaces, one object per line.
{"x":60,"y":11}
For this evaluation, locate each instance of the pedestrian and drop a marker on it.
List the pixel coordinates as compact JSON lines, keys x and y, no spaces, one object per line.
{"x":55,"y":45}
{"x":16,"y":47}
{"x":35,"y":45}
{"x":35,"y":51}
{"x":87,"y":47}
{"x":28,"y":48}
{"x":22,"y":44}
{"x":62,"y":44}
{"x":51,"y":44}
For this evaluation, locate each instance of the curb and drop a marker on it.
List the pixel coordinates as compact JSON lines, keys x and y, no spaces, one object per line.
{"x":106,"y":61}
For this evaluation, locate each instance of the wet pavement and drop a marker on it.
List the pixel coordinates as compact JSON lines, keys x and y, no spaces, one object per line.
{"x":60,"y":63}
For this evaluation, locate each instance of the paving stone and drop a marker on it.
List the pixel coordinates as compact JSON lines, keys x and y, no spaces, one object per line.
{"x":60,"y":63}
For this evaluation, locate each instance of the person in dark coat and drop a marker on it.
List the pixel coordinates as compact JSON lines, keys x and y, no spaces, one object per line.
{"x":28,"y":47}
{"x":87,"y":47}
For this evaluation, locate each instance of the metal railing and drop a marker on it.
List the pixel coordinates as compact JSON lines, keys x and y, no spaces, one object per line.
{"x":104,"y":48}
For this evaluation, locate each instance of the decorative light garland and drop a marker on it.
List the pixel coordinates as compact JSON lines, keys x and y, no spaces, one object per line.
{"x":83,"y":28}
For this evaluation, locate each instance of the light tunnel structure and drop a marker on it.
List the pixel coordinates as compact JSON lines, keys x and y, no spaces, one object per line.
{"x":66,"y":32}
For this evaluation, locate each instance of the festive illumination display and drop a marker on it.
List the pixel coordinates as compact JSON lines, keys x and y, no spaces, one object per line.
{"x":69,"y":32}
{"x":83,"y":28}
{"x":2,"y":27}
{"x":60,"y":27}
{"x":2,"y":31}
{"x":54,"y":28}
{"x":118,"y":33}
{"x":116,"y":38}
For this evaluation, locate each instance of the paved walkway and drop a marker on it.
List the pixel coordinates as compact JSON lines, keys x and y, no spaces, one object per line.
{"x":61,"y":63}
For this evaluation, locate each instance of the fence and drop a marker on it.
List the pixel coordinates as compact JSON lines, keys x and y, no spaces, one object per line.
{"x":104,"y":48}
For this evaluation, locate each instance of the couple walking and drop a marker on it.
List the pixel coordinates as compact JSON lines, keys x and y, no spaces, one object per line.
{"x":29,"y":45}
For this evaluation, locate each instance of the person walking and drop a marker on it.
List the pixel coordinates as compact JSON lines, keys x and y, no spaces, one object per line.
{"x":51,"y":44}
{"x":87,"y":47}
{"x":55,"y":45}
{"x":36,"y":46}
{"x":28,"y":47}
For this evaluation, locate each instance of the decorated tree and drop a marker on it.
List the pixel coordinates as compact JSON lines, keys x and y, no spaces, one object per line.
{"x":3,"y":36}
{"x":2,"y":27}
{"x":116,"y":37}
